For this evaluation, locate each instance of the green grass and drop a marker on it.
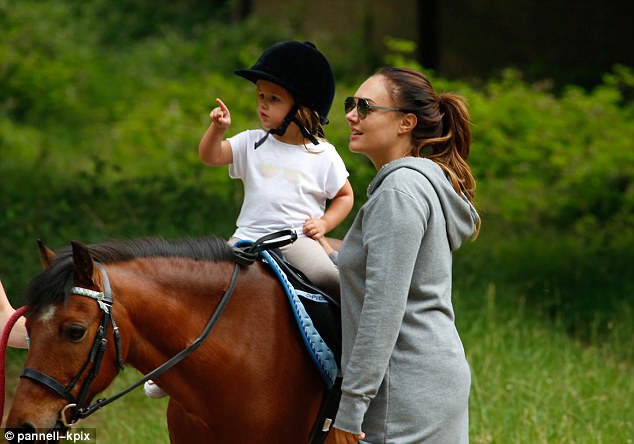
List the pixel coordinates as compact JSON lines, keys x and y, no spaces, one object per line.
{"x":532,"y":382}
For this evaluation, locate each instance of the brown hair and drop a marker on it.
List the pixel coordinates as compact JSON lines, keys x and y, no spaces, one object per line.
{"x":309,"y":118}
{"x":442,"y":133}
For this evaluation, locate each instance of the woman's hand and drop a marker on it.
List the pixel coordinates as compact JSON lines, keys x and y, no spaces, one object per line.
{"x":337,"y":436}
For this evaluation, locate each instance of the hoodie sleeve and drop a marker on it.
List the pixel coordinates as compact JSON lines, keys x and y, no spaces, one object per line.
{"x":393,"y":226}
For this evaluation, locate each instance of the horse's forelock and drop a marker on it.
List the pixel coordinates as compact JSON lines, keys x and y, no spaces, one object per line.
{"x":49,"y":287}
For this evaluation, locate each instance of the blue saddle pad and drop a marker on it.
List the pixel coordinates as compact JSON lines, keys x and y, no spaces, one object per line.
{"x":319,"y":351}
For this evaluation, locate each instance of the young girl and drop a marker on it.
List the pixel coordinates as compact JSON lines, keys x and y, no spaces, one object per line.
{"x":288,"y":169}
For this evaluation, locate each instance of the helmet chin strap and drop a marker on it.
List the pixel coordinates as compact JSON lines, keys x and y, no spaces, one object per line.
{"x":279,"y":131}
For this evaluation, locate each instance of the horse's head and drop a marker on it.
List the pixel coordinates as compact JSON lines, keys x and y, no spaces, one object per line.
{"x":69,"y":325}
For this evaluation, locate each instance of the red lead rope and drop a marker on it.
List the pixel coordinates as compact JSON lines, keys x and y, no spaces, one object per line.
{"x":3,"y":353}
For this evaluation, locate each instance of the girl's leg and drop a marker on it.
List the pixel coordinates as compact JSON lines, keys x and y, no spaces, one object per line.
{"x":309,"y":256}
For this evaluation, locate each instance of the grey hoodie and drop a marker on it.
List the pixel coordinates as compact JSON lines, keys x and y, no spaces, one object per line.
{"x":405,"y":375}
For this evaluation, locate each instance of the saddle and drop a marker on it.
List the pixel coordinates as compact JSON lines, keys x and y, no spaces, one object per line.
{"x":318,"y":316}
{"x":324,"y":310}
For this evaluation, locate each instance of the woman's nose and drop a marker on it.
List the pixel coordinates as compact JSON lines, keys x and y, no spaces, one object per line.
{"x":352,"y":115}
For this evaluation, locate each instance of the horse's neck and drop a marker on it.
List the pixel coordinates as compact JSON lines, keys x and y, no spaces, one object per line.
{"x":255,"y":343}
{"x":164,"y":304}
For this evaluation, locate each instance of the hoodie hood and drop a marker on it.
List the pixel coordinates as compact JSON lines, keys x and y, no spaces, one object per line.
{"x":460,"y":215}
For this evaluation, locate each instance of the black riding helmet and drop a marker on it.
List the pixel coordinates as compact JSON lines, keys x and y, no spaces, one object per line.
{"x":304,"y":71}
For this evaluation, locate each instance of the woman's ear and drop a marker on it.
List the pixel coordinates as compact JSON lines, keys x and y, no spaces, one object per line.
{"x":408,"y":123}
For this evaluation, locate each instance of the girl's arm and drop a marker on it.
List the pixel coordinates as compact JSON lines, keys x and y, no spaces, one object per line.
{"x":17,"y":338}
{"x":331,"y":252}
{"x":340,"y":206}
{"x":213,"y":150}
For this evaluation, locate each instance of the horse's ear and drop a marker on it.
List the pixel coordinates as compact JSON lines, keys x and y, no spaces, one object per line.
{"x":46,"y":254}
{"x":83,"y":264}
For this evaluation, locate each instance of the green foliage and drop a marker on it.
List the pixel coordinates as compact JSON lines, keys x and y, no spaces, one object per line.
{"x":559,"y":161}
{"x":546,"y":159}
{"x":99,"y":134}
{"x":101,"y":110}
{"x":402,"y":53}
{"x":555,"y":192}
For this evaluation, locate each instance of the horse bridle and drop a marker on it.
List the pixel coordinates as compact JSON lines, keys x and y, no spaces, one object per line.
{"x":95,"y":356}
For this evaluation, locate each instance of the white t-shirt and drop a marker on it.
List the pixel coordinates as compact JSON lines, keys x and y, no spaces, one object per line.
{"x":284,"y":185}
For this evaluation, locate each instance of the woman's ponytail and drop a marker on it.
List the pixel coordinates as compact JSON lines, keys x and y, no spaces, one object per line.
{"x":453,"y":153}
{"x":442,"y":133}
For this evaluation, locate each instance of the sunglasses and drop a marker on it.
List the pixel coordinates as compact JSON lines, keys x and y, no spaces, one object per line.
{"x":363,"y":107}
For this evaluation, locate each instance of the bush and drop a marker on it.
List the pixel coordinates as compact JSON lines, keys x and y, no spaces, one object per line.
{"x":98,"y":139}
{"x":556,"y":161}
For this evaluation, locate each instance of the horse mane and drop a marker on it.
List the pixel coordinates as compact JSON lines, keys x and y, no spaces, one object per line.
{"x":52,"y":284}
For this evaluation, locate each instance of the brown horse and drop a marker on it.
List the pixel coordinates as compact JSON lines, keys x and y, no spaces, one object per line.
{"x":250,"y":381}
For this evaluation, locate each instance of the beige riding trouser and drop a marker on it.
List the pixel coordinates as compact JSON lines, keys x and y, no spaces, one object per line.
{"x":311,"y":259}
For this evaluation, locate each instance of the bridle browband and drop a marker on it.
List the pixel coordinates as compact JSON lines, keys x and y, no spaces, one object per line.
{"x":95,"y":356}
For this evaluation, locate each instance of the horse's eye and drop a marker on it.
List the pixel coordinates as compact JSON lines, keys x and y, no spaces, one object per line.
{"x":75,"y":333}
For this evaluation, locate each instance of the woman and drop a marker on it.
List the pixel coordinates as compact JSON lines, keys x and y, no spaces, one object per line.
{"x":405,"y":375}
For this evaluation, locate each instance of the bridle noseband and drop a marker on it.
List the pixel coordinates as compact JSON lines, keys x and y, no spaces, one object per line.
{"x":95,"y":356}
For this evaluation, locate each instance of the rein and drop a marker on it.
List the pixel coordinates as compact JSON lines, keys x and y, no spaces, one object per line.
{"x":105,"y":301}
{"x":4,"y":342}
